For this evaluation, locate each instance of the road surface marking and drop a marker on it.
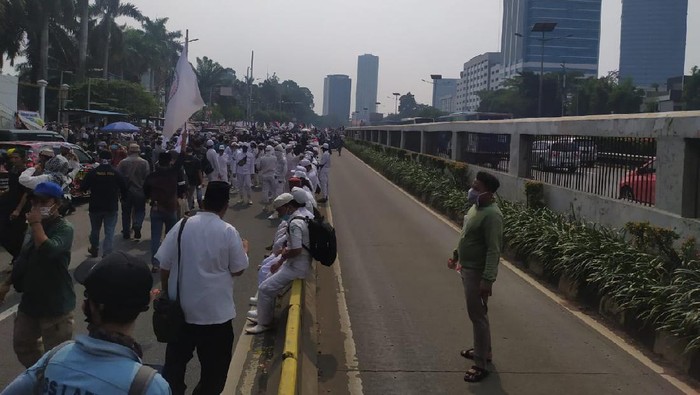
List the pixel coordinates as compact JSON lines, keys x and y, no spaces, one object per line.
{"x":351,"y":363}
{"x":595,"y":325}
{"x":235,"y":368}
{"x":9,"y":312}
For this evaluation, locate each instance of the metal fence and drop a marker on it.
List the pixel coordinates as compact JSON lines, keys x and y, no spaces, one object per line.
{"x":614,"y":167}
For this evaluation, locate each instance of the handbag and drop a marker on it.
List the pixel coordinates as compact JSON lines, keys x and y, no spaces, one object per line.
{"x":168,"y":317}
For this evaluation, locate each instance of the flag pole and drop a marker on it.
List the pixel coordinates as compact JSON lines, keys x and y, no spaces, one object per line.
{"x":187,"y":55}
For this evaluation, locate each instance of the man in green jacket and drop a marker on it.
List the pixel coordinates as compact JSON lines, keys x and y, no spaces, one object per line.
{"x":477,"y":256}
{"x":45,"y":313}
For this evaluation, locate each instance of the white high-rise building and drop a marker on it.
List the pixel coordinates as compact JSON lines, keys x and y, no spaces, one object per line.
{"x":482,"y":72}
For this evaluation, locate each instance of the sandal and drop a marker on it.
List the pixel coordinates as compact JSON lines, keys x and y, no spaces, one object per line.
{"x":469,"y":354}
{"x":475,"y":374}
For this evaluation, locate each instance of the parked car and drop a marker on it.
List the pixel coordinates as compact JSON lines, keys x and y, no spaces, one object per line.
{"x":639,"y":185}
{"x":29,"y":135}
{"x":556,"y":154}
{"x":87,"y":162}
{"x":589,"y":151}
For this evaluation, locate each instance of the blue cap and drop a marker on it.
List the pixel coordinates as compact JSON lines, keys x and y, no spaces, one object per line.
{"x":49,"y":189}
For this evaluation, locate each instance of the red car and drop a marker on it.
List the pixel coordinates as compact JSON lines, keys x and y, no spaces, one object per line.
{"x":639,"y":185}
{"x":87,"y":162}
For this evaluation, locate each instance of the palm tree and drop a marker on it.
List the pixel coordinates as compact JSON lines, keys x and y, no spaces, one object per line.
{"x":211,"y":74}
{"x":108,"y":11}
{"x":164,"y":50}
{"x":42,"y":17}
{"x":84,"y":11}
{"x":12,"y":29}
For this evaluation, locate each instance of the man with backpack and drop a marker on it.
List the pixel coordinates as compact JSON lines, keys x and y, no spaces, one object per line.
{"x":294,"y":263}
{"x":108,"y":360}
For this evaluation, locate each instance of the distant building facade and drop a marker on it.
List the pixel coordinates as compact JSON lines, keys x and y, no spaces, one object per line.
{"x":482,"y":72}
{"x":522,"y":48}
{"x":367,"y":85}
{"x":444,"y":94}
{"x":653,"y":40}
{"x":336,"y":96}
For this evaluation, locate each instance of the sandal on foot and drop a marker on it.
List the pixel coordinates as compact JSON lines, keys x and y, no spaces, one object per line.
{"x":475,"y":374}
{"x":469,"y":354}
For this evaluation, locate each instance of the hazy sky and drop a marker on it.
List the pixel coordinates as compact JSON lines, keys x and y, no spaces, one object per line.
{"x":305,"y":40}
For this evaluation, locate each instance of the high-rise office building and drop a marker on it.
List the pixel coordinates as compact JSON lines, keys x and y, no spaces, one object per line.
{"x":444,"y":93}
{"x":367,"y":82}
{"x":482,"y":72}
{"x":336,"y":96}
{"x":574,"y":44}
{"x":652,"y":43}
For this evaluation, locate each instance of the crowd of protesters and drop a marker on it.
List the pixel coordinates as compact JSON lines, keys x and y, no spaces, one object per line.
{"x":186,"y":182}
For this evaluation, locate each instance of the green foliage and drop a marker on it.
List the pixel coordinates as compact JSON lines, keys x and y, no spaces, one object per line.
{"x":409,"y":108}
{"x":637,"y":267}
{"x":691,"y":90}
{"x":534,"y":192}
{"x":115,"y":95}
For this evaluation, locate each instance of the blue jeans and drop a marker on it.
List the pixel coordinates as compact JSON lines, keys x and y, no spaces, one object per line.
{"x":160,"y":219}
{"x":133,"y":207}
{"x":97,"y":219}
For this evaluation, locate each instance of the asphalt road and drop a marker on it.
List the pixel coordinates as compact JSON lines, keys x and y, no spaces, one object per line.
{"x":408,"y":315}
{"x":251,"y":222}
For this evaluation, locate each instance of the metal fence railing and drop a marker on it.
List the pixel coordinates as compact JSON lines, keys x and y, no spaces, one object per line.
{"x":614,"y":167}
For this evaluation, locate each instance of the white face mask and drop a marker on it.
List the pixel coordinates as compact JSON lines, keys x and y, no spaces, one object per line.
{"x":46,"y":211}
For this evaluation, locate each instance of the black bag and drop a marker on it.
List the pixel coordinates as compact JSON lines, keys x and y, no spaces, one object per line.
{"x":207,"y":167}
{"x":322,"y":242}
{"x":243,"y":161}
{"x":168,"y":317}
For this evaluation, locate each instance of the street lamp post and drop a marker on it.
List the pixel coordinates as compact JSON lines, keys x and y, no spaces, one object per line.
{"x":62,"y":96}
{"x":396,"y":107}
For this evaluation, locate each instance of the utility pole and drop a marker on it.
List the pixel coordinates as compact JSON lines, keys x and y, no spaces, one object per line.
{"x":250,"y":86}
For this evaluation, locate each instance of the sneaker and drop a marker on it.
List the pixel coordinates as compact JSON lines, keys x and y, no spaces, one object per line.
{"x":94,"y":251}
{"x":250,"y":202}
{"x":254,"y":301}
{"x":274,"y":216}
{"x":126,"y":236}
{"x":240,"y":201}
{"x":137,"y":234}
{"x":254,"y":330}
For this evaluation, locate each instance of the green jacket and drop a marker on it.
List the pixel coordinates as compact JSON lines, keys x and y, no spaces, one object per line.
{"x":480,"y":243}
{"x":47,"y":287}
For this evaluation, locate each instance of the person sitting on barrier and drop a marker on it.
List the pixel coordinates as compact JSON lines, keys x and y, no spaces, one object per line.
{"x":294,"y":263}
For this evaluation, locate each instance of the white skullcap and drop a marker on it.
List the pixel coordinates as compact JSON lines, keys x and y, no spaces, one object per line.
{"x":300,"y":195}
{"x":210,"y":143}
{"x":282,"y":199}
{"x":305,"y":162}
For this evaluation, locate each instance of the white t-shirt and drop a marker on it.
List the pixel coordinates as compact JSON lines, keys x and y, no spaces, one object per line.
{"x":298,"y":237}
{"x":212,"y":250}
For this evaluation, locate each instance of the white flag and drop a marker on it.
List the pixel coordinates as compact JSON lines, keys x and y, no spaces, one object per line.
{"x":185,"y":98}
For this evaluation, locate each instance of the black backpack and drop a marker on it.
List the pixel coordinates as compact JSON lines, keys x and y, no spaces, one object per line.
{"x":207,"y":168}
{"x":322,"y":242}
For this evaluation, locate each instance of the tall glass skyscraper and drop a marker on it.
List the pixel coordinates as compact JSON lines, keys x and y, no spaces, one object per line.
{"x":367,"y":81}
{"x":574,"y":43}
{"x":336,"y":96}
{"x":652,"y":44}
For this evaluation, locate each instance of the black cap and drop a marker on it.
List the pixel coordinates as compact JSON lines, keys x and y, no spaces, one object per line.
{"x":118,"y":280}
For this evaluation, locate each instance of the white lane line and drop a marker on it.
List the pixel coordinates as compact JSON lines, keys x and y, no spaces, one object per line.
{"x":351,"y":362}
{"x":235,"y":369}
{"x":595,"y":325}
{"x":9,"y":312}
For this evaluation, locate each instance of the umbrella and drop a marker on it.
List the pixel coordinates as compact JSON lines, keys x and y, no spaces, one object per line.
{"x":120,"y":127}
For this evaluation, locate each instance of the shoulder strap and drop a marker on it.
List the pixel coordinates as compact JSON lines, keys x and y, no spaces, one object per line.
{"x":179,"y":256}
{"x":41,"y":372}
{"x":143,"y":378}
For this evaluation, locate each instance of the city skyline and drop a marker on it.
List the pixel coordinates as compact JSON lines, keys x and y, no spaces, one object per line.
{"x":367,"y":85}
{"x":337,"y":90}
{"x":331,"y":42}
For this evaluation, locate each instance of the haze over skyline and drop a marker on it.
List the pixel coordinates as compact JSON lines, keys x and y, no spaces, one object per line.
{"x":306,"y":40}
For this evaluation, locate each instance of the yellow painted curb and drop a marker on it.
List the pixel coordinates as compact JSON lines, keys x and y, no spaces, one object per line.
{"x":288,"y":380}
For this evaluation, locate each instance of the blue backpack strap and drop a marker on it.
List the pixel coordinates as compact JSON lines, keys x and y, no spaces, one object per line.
{"x":41,"y":372}
{"x":143,"y":378}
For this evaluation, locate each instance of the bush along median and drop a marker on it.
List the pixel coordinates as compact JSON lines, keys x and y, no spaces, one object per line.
{"x":642,"y":277}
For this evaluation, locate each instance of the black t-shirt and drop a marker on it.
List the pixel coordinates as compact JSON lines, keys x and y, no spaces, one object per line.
{"x":15,"y":190}
{"x":106,"y":184}
{"x":193,"y":167}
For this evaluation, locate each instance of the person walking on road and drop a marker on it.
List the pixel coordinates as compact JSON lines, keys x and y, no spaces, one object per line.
{"x":477,"y":256}
{"x":324,"y":168}
{"x":108,"y":360}
{"x":211,"y":254}
{"x":213,"y":159}
{"x":245,"y":167}
{"x":161,"y":188}
{"x":135,"y":170}
{"x":267,"y":167}
{"x":195,"y":178}
{"x":14,"y":206}
{"x":106,"y":185}
{"x":45,"y":314}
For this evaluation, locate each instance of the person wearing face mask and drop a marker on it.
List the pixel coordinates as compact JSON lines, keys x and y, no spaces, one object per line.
{"x":477,"y":254}
{"x":294,"y":262}
{"x":45,"y":313}
{"x":108,"y":359}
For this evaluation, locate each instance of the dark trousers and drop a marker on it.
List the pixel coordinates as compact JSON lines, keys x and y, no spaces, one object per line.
{"x":214,"y":345}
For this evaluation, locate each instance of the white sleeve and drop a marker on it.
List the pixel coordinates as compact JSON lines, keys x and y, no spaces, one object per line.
{"x":29,"y":180}
{"x":238,"y":259}
{"x":167,"y":253}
